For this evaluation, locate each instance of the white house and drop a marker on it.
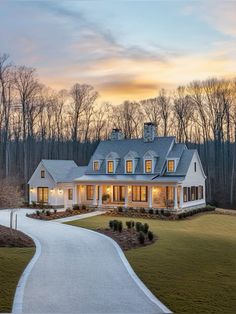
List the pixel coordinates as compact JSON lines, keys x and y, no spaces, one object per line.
{"x":151,"y":172}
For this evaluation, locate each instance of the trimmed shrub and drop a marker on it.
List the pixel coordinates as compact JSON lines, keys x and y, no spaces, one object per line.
{"x":83,"y":207}
{"x":48,"y":213}
{"x":150,"y":235}
{"x":120,"y":209}
{"x":43,"y":211}
{"x":75,"y":207}
{"x":111,"y":224}
{"x":55,"y":211}
{"x":157,"y":212}
{"x":145,"y":228}
{"x":120,"y":226}
{"x":151,"y":211}
{"x":142,"y":210}
{"x":132,"y":223}
{"x":131,"y":208}
{"x":115,"y":225}
{"x":38,"y":213}
{"x":141,"y":237}
{"x":138,"y":226}
{"x":129,"y":224}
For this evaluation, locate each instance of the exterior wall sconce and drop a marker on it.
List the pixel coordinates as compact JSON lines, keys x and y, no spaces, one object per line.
{"x":108,"y":189}
{"x":52,"y":190}
{"x":60,"y":191}
{"x":129,"y":188}
{"x":32,"y":189}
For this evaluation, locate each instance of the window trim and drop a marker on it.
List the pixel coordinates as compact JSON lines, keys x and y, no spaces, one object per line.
{"x":44,"y":188}
{"x":98,"y":165}
{"x":170,"y":161}
{"x":140,"y":198}
{"x":42,"y":174}
{"x":145,"y":165}
{"x":113,"y":166}
{"x":132,"y":165}
{"x":70,"y":194}
{"x":90,"y":198}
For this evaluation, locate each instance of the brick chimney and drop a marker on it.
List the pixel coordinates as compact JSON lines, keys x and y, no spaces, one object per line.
{"x":149,"y":132}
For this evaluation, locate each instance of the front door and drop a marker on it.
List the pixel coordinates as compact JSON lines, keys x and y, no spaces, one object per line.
{"x":118,"y":194}
{"x":42,"y":195}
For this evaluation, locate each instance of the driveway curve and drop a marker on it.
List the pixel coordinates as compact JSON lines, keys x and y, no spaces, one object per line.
{"x":77,"y":271}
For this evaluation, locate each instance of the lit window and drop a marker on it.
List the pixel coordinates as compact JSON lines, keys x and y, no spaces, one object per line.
{"x":110,"y":166}
{"x":129,"y":166}
{"x":95,"y":165}
{"x":185,"y":194}
{"x":148,"y":166}
{"x":139,"y":193}
{"x":90,"y":192}
{"x":42,"y":174}
{"x":70,"y":194}
{"x":171,"y":166}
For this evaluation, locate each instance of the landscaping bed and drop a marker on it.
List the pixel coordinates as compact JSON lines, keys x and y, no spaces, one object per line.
{"x":134,"y":236}
{"x":14,"y":238}
{"x":157,"y":213}
{"x":51,"y":214}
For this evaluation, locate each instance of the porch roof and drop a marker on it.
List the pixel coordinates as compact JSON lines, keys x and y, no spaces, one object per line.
{"x":127,"y":179}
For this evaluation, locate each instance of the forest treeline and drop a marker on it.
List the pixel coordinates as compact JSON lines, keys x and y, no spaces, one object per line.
{"x":38,"y":122}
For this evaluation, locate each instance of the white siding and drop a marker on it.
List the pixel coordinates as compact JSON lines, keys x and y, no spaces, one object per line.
{"x":195,"y":179}
{"x":55,"y":194}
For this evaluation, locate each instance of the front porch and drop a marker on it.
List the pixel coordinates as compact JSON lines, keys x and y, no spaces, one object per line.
{"x":136,"y":196}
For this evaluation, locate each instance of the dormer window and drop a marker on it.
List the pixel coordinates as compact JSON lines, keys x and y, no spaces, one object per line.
{"x":148,"y":166}
{"x":129,"y":166}
{"x":95,"y":165}
{"x":110,"y":166}
{"x":170,"y":165}
{"x":42,"y":174}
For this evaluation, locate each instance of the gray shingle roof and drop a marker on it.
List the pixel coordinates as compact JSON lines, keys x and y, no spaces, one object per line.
{"x":184,"y":163}
{"x":160,"y":145}
{"x":63,"y":170}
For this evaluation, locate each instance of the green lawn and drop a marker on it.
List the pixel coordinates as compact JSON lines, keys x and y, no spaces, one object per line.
{"x":12,"y":263}
{"x":192,"y":267}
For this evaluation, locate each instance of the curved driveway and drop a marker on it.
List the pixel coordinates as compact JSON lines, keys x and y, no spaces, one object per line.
{"x":77,"y":271}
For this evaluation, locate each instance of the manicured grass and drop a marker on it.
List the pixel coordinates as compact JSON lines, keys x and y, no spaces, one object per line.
{"x":12,"y":263}
{"x":191,"y":268}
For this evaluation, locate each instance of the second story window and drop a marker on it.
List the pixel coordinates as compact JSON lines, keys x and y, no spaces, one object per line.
{"x":171,"y":166}
{"x":110,"y":166}
{"x":42,"y":174}
{"x":129,"y":166}
{"x":95,"y":165}
{"x":148,"y":166}
{"x":195,"y":166}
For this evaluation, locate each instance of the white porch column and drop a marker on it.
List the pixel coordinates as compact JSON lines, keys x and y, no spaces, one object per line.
{"x":95,"y":195}
{"x":150,"y":196}
{"x":175,"y":197}
{"x":79,"y":194}
{"x":181,"y":201}
{"x":100,"y":196}
{"x":75,"y":198}
{"x":126,"y":196}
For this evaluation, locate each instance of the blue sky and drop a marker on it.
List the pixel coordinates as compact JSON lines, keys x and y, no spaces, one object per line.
{"x":126,"y":49}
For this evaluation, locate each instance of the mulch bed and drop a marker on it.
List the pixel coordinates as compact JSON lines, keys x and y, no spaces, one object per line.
{"x":14,"y":238}
{"x":127,"y":239}
{"x":58,"y":214}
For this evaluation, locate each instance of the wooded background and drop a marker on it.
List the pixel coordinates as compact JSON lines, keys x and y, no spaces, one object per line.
{"x":37,"y":122}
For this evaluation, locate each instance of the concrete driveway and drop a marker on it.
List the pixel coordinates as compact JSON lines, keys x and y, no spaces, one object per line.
{"x":76,"y":270}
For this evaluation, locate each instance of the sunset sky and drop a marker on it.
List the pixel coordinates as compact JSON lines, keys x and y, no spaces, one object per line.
{"x":125,"y":49}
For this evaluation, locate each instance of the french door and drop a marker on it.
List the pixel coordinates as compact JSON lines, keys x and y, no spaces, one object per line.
{"x":118,"y":193}
{"x":42,"y":195}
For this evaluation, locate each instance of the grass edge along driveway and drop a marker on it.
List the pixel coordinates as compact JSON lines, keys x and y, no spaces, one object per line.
{"x":191,"y":268}
{"x":13,"y":261}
